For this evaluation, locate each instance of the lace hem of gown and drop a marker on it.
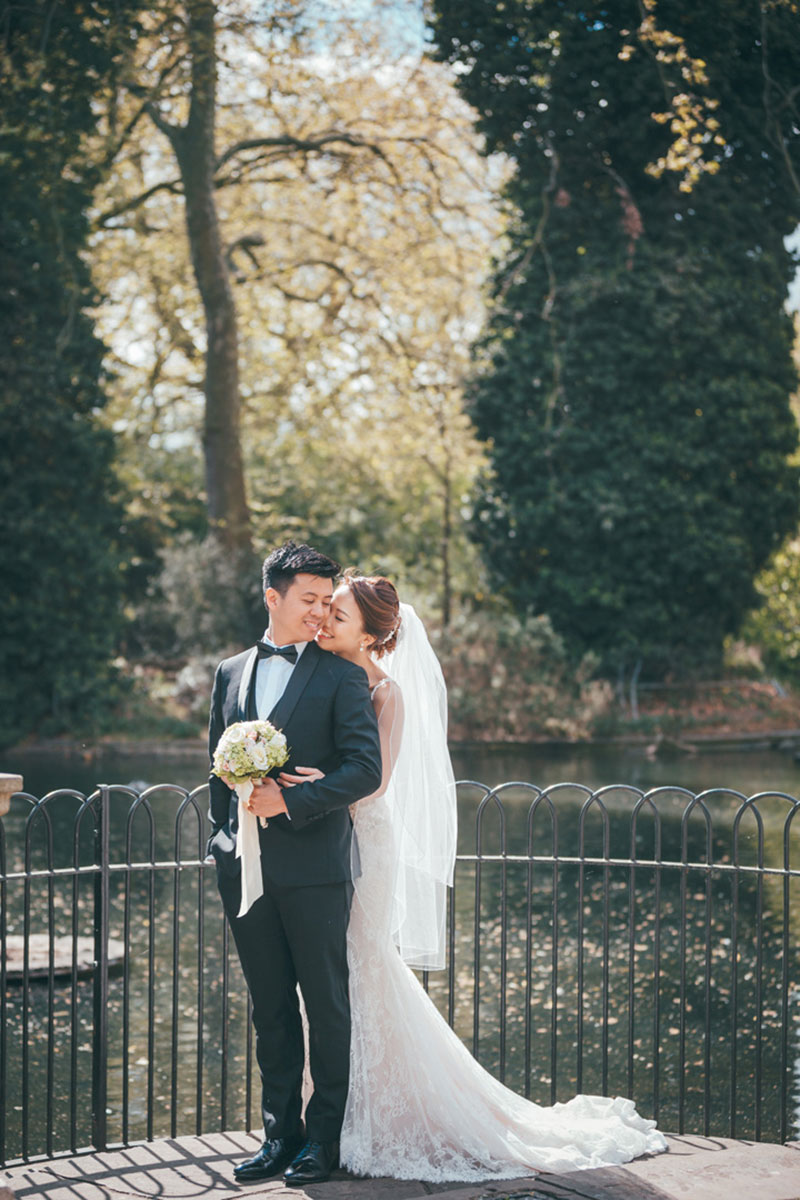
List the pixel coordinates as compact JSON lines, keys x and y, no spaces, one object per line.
{"x":419,"y":1105}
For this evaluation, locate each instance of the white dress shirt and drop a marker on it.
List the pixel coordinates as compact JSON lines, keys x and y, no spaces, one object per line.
{"x":272,"y":677}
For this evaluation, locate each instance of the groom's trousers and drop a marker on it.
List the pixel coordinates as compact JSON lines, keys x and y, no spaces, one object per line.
{"x":297,"y":935}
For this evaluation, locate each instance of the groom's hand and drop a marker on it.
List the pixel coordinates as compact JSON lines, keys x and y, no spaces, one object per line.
{"x":304,"y":774}
{"x":266,"y":800}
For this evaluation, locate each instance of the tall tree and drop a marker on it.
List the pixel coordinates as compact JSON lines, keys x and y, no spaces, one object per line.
{"x":358,"y":219}
{"x":194,"y":146}
{"x":174,"y":78}
{"x":60,"y":522}
{"x":635,"y":382}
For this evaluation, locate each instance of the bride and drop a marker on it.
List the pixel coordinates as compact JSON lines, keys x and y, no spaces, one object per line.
{"x":419,"y":1106}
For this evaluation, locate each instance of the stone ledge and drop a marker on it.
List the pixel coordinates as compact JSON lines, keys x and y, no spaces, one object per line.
{"x":9,"y":784}
{"x":38,"y":950}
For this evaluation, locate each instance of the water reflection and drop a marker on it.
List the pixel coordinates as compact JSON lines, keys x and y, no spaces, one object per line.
{"x":594,"y":766}
{"x":667,"y":984}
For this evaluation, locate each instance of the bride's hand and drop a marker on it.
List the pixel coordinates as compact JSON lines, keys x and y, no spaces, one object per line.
{"x":304,"y":775}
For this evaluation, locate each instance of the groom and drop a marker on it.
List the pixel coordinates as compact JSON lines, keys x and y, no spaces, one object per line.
{"x":296,"y":931}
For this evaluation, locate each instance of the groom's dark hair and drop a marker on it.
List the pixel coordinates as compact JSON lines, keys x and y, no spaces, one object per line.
{"x":290,"y":559}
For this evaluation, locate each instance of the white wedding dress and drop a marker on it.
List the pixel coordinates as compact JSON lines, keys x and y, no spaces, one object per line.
{"x":419,"y":1106}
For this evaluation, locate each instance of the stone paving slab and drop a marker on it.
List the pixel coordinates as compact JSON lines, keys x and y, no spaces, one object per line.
{"x":199,"y":1168}
{"x":722,"y":1169}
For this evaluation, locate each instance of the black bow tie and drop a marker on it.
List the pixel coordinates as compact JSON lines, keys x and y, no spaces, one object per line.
{"x":265,"y":650}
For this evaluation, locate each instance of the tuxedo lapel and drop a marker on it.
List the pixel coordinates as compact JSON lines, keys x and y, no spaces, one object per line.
{"x":244,"y":685}
{"x":298,"y":681}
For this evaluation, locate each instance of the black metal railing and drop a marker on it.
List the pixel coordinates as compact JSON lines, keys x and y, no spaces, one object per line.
{"x":614,"y":941}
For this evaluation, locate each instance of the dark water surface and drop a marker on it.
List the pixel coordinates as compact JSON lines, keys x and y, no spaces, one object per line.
{"x":595,"y":766}
{"x":688,"y":1022}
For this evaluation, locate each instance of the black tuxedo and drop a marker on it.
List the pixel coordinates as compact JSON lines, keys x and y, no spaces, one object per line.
{"x":296,"y":932}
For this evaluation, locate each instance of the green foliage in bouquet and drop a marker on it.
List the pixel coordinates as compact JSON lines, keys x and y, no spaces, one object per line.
{"x":249,"y":750}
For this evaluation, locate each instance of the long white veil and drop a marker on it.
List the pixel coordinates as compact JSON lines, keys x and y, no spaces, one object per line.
{"x":421,"y":796}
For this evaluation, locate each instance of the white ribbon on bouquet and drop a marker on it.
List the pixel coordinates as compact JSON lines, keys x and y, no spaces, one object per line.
{"x":248,"y":847}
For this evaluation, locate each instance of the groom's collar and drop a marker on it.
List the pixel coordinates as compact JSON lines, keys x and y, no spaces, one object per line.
{"x":299,"y":646}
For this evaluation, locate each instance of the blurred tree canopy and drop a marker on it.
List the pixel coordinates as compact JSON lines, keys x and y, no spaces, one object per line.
{"x":60,"y":517}
{"x":245,"y":254}
{"x":635,"y":381}
{"x":290,"y":224}
{"x":355,"y":218}
{"x":773,"y":627}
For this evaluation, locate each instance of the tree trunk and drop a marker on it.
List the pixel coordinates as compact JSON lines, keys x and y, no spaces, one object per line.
{"x":447,"y":533}
{"x":194,"y":147}
{"x":447,"y":520}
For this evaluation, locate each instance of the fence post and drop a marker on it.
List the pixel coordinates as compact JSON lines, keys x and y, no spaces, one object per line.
{"x":9,"y":784}
{"x":100,"y":975}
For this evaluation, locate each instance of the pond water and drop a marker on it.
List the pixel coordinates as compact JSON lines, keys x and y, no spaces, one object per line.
{"x":578,"y":986}
{"x":592,"y":765}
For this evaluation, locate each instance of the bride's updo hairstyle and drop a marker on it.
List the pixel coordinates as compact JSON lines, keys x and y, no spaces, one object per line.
{"x":379,"y":606}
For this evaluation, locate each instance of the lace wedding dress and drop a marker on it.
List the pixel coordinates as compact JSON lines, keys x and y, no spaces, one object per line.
{"x":419,"y":1106}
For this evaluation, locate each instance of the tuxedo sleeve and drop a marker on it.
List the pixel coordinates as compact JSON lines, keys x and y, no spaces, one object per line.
{"x":358,"y":749}
{"x":219,"y":793}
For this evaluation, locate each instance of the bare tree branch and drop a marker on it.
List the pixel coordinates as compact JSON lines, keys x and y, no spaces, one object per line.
{"x":167,"y":185}
{"x":772,"y":126}
{"x":307,"y":145}
{"x":143,"y":109}
{"x":172,"y":132}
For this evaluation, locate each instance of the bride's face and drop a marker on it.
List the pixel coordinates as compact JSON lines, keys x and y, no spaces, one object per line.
{"x":343,"y":628}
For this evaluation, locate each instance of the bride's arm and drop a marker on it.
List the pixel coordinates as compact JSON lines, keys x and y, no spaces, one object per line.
{"x":388,"y":704}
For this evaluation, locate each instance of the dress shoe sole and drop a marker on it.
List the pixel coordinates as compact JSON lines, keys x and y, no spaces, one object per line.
{"x":261,"y":1176}
{"x":294,"y":1181}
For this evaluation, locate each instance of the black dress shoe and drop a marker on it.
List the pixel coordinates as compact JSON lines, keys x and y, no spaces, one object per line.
{"x":270,"y":1160}
{"x":313,"y":1164}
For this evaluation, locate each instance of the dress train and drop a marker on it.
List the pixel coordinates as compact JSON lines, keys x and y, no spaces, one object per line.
{"x":419,"y":1106}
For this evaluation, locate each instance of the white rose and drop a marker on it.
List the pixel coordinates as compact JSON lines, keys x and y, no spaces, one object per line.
{"x":259,"y":755}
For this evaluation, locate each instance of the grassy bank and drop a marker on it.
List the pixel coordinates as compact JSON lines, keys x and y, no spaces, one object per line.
{"x":167,"y":708}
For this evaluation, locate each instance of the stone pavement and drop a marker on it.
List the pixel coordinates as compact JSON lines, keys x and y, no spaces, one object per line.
{"x":199,"y":1168}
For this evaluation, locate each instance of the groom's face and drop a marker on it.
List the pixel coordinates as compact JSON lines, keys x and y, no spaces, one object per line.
{"x":297,"y":615}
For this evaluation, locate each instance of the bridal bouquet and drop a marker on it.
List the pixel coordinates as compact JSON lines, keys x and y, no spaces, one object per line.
{"x":247,"y":751}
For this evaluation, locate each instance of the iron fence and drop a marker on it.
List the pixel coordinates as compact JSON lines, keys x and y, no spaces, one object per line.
{"x":613,"y":941}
